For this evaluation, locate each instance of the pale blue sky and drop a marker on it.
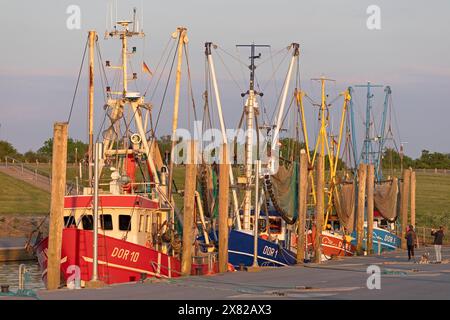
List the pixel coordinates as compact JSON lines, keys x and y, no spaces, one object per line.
{"x":40,"y":57}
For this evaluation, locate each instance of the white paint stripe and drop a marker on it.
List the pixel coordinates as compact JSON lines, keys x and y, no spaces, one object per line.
{"x":259,"y":257}
{"x":87,"y":259}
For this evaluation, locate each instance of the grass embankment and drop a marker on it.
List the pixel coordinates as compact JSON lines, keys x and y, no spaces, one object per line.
{"x":20,"y":197}
{"x":433,"y":199}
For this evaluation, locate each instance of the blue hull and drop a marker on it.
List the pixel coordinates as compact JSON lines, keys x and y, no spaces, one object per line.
{"x":387,"y":240}
{"x":240,"y":251}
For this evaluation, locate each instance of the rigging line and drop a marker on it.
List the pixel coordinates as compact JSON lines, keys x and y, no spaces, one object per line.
{"x":395,"y":119}
{"x":272,"y":56}
{"x":186,"y":53}
{"x":207,"y":87}
{"x":157,"y":66}
{"x":229,"y":73}
{"x":103,"y":71}
{"x":165,"y":89}
{"x":275,"y":71}
{"x":101,"y":126}
{"x":273,"y":68}
{"x":279,"y":97}
{"x":235,"y":58}
{"x":287,"y":112}
{"x":78,"y":82}
{"x":240,"y":65}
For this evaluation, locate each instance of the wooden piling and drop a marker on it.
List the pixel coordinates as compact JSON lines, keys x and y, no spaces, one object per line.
{"x":370,"y":205}
{"x":362,"y":177}
{"x":59,"y":163}
{"x":302,"y":206}
{"x":188,"y":212}
{"x":320,"y":205}
{"x":404,"y":205}
{"x":413,"y":198}
{"x":224,"y":186}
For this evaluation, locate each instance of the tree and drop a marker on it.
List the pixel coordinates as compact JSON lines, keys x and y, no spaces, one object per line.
{"x":7,"y":150}
{"x":76,"y":150}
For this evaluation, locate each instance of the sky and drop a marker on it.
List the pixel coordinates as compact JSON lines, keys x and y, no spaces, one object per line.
{"x":40,"y":59}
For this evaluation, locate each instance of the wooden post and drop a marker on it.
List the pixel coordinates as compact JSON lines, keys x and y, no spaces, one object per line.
{"x":370,"y":204}
{"x":224,"y":186}
{"x":59,"y":162}
{"x":404,"y":204}
{"x":92,"y":36}
{"x":189,"y":202}
{"x":362,"y":173}
{"x":413,"y":198}
{"x":302,"y":206}
{"x":320,"y":205}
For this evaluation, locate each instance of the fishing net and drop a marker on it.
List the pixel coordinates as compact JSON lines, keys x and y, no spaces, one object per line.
{"x":283,"y":191}
{"x":385,"y":198}
{"x":344,"y":203}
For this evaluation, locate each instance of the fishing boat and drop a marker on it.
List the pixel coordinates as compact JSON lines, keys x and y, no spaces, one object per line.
{"x":386,"y":189}
{"x":121,"y":228}
{"x":260,"y":234}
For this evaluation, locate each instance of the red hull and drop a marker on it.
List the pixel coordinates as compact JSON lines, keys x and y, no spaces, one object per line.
{"x":118,"y":260}
{"x":333,"y":244}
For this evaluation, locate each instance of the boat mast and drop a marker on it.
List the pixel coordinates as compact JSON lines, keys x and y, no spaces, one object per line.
{"x":250,"y":107}
{"x":182,"y":39}
{"x":277,"y":128}
{"x":132,"y":98}
{"x":92,"y":39}
{"x":367,"y":154}
{"x":382,"y":138}
{"x":223,"y":130}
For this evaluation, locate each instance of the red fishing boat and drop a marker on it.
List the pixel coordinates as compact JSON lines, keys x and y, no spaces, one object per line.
{"x":332,"y":244}
{"x":124,"y":228}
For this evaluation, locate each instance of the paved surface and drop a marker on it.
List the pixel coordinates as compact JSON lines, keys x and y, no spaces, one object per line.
{"x":340,"y":279}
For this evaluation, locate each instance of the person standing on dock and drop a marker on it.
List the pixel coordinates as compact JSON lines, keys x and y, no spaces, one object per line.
{"x":411,"y":241}
{"x":438,"y":238}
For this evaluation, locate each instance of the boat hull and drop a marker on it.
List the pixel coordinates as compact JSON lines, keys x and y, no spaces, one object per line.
{"x":118,"y":260}
{"x":383,"y":240}
{"x":332,"y":244}
{"x":241,"y":251}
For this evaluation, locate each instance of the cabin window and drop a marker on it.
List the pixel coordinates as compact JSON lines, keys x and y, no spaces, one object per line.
{"x":124,"y":222}
{"x":88,"y":222}
{"x":141,"y":223}
{"x":148,"y":224}
{"x":69,"y":221}
{"x":106,"y":221}
{"x":275,"y":225}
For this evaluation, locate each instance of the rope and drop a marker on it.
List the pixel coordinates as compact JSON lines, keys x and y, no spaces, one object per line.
{"x":78,"y":82}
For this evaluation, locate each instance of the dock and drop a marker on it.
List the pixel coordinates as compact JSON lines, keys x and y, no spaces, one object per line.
{"x":344,"y":278}
{"x":13,"y":249}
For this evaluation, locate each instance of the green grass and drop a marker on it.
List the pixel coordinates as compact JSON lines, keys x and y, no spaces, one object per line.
{"x":432,"y":199}
{"x":20,"y":197}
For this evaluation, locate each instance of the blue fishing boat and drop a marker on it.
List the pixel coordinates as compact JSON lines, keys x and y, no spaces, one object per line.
{"x":241,"y":251}
{"x":383,"y":240}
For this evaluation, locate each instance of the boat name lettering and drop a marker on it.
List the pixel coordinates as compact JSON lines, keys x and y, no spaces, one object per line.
{"x":270,"y":251}
{"x":125,"y":254}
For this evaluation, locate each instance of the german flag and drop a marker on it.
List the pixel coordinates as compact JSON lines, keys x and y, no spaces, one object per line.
{"x":146,"y":69}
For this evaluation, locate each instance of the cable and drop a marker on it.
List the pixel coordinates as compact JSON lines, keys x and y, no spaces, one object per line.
{"x":78,"y":81}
